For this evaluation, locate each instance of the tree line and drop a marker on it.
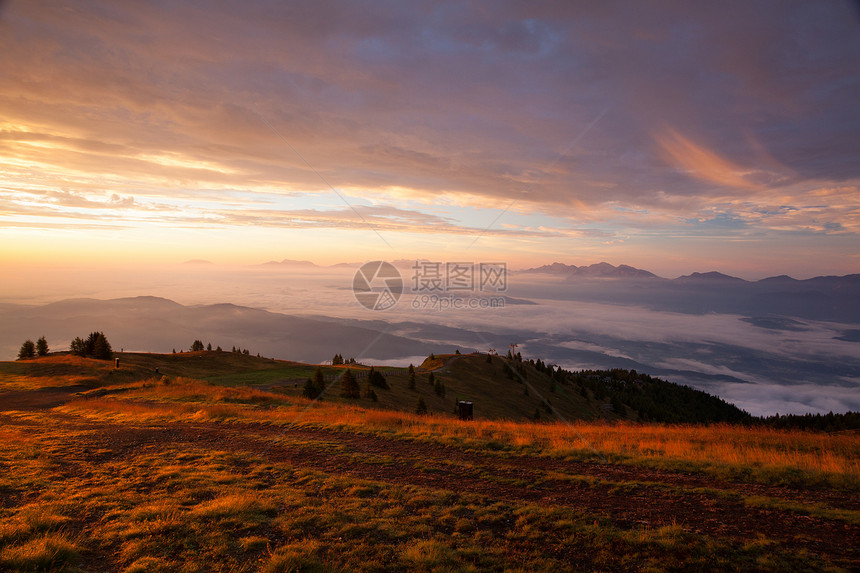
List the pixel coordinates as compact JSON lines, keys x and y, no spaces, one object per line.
{"x":95,"y":345}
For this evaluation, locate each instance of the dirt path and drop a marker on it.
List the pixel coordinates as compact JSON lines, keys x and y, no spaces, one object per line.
{"x":41,"y":399}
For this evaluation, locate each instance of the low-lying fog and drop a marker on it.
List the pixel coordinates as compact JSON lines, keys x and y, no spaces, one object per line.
{"x":773,"y":346}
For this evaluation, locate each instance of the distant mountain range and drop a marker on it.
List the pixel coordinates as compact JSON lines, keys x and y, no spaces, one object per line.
{"x":606,"y":270}
{"x":597,"y":270}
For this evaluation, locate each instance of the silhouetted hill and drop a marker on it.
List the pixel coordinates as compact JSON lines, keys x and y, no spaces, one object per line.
{"x":781,"y":279}
{"x":291,"y":263}
{"x":152,"y":323}
{"x":712,"y":276}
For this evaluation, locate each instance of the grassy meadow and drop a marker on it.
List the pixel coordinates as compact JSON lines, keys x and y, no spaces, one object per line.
{"x":107,"y":469}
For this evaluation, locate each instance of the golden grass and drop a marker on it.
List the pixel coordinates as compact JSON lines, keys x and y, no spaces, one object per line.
{"x":43,"y":552}
{"x":764,"y":453}
{"x":191,"y":507}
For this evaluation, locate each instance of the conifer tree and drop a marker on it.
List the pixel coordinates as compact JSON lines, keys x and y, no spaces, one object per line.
{"x":421,"y":408}
{"x":28,"y":350}
{"x":439,"y":388}
{"x":411,"y":377}
{"x":78,"y":346}
{"x":309,"y":391}
{"x":376,"y":378}
{"x":101,"y":347}
{"x":319,"y":381}
{"x":348,"y":386}
{"x":42,"y":347}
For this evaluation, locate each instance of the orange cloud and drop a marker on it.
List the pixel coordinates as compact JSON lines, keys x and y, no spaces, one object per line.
{"x":703,"y":163}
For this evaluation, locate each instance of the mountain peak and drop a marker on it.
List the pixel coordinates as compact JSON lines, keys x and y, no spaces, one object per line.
{"x":605,"y":270}
{"x":554,"y":269}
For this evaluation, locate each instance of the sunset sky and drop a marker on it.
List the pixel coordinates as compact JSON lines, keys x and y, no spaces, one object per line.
{"x":672,"y":136}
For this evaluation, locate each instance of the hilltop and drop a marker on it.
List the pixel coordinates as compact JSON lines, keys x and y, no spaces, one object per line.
{"x":498,"y":387}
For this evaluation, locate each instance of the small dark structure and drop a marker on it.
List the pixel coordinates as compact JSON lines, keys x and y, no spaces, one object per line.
{"x":466,"y":411}
{"x":156,"y":370}
{"x":116,"y":362}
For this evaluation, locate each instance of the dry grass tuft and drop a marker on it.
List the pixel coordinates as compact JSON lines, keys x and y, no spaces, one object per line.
{"x":52,"y":551}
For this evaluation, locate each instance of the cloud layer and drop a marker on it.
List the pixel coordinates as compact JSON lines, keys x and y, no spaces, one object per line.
{"x":589,"y":125}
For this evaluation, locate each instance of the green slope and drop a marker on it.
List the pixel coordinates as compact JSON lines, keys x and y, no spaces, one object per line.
{"x":499,"y":388}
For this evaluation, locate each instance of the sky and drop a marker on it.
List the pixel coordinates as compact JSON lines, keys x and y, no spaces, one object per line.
{"x":671,"y":136}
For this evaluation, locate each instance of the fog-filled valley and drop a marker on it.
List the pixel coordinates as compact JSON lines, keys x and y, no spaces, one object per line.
{"x":776,"y":345}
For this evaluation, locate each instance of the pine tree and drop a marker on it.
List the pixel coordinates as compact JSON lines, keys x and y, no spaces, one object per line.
{"x":319,"y":381}
{"x":439,"y":388}
{"x":28,"y":350}
{"x":42,"y":347}
{"x":78,"y":346}
{"x":101,"y":347}
{"x":349,"y":388}
{"x":411,"y":377}
{"x":197,"y":346}
{"x":209,"y":347}
{"x":376,"y":378}
{"x":309,"y":391}
{"x":431,"y":379}
{"x":422,"y":406}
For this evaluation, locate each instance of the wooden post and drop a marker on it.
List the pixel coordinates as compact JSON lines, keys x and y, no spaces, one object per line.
{"x":466,"y":411}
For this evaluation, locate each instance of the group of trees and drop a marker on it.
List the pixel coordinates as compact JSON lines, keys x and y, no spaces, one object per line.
{"x":96,"y":345}
{"x":830,"y":422}
{"x":31,"y":350}
{"x":349,"y":388}
{"x":197,"y":346}
{"x":338,"y":360}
